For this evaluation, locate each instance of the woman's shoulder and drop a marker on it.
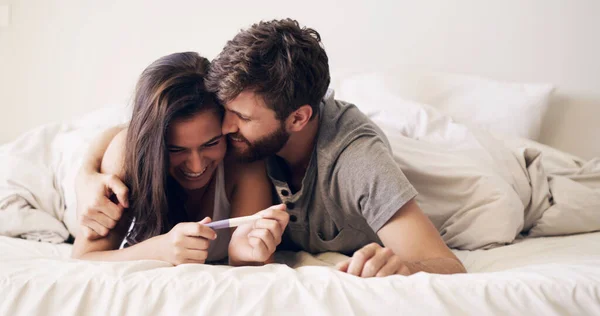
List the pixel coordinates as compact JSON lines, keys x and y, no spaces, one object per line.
{"x":236,"y":172}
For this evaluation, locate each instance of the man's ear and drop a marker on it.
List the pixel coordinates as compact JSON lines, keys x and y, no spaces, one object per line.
{"x":299,"y":118}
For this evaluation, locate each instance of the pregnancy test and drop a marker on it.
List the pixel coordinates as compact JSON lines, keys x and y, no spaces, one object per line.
{"x":233,"y":222}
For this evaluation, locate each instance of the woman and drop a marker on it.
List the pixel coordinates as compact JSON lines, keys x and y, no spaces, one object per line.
{"x":171,"y":157}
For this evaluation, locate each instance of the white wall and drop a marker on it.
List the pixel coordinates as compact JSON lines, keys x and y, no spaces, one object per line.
{"x":60,"y":58}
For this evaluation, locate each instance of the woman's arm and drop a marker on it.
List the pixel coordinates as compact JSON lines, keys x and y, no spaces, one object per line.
{"x":111,"y":163}
{"x":251,"y":190}
{"x":185,"y":243}
{"x":93,"y":189}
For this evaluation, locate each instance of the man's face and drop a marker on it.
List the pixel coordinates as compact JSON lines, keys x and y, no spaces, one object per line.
{"x":251,"y":127}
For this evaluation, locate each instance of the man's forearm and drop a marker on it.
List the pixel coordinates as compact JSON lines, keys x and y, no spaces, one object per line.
{"x":93,"y":158}
{"x":439,"y":266}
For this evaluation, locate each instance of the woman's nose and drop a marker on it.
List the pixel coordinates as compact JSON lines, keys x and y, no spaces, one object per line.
{"x":195,"y":162}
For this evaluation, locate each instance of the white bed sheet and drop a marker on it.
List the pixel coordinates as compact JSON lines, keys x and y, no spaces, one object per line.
{"x":542,"y":276}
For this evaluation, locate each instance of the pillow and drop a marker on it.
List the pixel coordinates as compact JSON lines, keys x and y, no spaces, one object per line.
{"x":512,"y":109}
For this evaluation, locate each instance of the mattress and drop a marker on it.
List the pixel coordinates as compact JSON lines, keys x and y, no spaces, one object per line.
{"x":535,"y":276}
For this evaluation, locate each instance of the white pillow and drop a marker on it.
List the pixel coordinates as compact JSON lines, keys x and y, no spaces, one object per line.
{"x":514,"y":109}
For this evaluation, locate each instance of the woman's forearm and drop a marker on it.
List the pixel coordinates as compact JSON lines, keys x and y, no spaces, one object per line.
{"x":145,"y":250}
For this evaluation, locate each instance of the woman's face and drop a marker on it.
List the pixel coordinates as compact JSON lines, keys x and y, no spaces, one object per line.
{"x":196,"y":147}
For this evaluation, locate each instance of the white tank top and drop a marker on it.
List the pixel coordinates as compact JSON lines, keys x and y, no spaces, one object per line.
{"x":219,"y":247}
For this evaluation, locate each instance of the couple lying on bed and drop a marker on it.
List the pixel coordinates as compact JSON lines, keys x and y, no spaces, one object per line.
{"x":255,"y":127}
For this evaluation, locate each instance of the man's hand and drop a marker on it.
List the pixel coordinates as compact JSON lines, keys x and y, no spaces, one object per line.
{"x":374,"y":261}
{"x":96,"y":210}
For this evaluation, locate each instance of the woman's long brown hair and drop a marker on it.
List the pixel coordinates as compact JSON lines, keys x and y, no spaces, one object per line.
{"x":171,"y":87}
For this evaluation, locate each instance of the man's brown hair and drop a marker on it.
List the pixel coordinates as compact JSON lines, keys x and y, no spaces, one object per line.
{"x":282,"y":62}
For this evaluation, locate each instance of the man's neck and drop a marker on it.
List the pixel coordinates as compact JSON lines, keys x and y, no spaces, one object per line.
{"x":298,"y":149}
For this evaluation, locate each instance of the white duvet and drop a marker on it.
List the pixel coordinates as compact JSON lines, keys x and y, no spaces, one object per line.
{"x":37,"y":172}
{"x":542,"y":276}
{"x":483,"y":190}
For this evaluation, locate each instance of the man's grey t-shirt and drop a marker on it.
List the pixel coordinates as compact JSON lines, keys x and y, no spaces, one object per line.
{"x":351,"y":188}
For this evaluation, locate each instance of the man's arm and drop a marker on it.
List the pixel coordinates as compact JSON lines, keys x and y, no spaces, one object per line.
{"x":412,"y":244}
{"x":412,"y":236}
{"x":367,"y":177}
{"x":93,"y":157}
{"x":93,"y":190}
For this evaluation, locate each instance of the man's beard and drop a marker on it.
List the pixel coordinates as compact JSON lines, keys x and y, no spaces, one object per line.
{"x":260,"y":149}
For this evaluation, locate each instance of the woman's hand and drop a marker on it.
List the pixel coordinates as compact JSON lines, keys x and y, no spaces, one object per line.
{"x":256,"y":242}
{"x":186,"y":243}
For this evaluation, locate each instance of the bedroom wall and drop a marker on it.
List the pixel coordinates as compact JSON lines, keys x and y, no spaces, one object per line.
{"x":63,"y":58}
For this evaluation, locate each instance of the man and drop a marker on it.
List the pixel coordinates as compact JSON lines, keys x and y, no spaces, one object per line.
{"x":328,"y":162}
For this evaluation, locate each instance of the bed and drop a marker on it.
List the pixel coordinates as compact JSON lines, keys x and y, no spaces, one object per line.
{"x":540,"y":276}
{"x":523,"y":255}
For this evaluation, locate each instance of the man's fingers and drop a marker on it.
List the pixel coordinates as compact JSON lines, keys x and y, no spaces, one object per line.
{"x":89,"y":234}
{"x":119,"y":189}
{"x":105,"y":206}
{"x":360,"y":257}
{"x":95,"y":226}
{"x":372,"y":266}
{"x":102,"y":219}
{"x":343,"y":266}
{"x":390,"y":268}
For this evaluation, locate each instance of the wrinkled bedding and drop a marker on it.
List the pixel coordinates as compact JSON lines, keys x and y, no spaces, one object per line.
{"x":533,"y":276}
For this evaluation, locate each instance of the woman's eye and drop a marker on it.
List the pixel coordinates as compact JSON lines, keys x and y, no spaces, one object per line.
{"x":175,"y":150}
{"x":215,"y":143}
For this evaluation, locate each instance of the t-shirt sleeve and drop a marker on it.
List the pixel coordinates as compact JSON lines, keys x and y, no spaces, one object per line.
{"x":365,"y":178}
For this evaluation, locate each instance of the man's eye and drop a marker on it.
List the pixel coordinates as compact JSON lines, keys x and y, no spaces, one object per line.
{"x":245,"y":119}
{"x":175,"y":150}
